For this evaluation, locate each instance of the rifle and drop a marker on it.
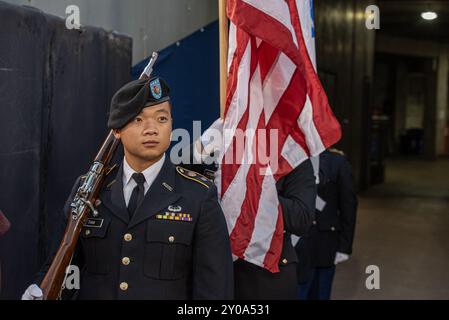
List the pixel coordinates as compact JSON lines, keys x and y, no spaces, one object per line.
{"x":83,"y":202}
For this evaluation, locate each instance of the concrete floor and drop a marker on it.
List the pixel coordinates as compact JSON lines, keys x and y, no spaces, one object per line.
{"x":403,"y":228}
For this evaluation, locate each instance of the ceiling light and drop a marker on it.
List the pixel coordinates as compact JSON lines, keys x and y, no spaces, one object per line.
{"x":429,"y":15}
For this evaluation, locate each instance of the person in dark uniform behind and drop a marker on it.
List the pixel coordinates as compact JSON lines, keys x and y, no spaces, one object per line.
{"x":330,"y":239}
{"x":296,"y":194}
{"x":160,"y":233}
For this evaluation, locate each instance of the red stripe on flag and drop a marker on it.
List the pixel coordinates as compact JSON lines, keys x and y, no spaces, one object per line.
{"x":244,"y":226}
{"x":267,"y":57}
{"x":263,"y":26}
{"x":283,"y":168}
{"x":284,"y":117}
{"x":230,"y":169}
{"x":272,"y":256}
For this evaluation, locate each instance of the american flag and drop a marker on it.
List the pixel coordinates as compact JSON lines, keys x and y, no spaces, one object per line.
{"x":272,"y":84}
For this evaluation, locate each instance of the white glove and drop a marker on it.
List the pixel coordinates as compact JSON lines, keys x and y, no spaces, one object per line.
{"x":33,"y":292}
{"x":211,"y":141}
{"x":341,"y":257}
{"x":214,"y":133}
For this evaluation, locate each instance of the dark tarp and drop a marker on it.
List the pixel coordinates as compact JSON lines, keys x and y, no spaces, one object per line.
{"x":55,"y":88}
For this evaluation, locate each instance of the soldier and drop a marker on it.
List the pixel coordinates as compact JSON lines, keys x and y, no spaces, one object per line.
{"x":296,"y":193}
{"x":160,"y":233}
{"x":329,"y":241}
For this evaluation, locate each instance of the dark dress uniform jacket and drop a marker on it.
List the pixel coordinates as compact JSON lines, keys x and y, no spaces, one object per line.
{"x":148,"y":257}
{"x":333,"y":228}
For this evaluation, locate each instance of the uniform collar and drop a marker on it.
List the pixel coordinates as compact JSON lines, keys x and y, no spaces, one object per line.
{"x":149,"y":173}
{"x":162,"y":192}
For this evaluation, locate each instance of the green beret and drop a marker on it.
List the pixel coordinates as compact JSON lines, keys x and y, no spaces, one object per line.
{"x":129,"y":100}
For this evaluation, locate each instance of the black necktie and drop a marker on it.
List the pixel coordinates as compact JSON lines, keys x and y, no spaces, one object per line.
{"x":138,"y":193}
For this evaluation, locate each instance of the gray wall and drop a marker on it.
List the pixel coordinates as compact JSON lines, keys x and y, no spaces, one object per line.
{"x":153,"y":24}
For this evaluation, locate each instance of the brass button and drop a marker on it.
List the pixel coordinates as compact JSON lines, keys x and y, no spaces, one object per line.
{"x":128,"y":237}
{"x":332,"y":228}
{"x":171,"y":239}
{"x":284,"y":261}
{"x":126,"y":261}
{"x":87,"y":232}
{"x":124,"y":286}
{"x":314,"y":222}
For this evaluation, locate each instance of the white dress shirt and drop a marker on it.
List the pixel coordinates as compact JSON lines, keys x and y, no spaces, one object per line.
{"x":149,"y":173}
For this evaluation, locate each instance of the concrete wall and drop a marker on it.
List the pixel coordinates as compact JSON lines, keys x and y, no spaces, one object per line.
{"x":153,"y":24}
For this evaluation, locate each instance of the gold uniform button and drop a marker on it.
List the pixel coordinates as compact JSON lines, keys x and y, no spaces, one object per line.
{"x":126,"y":261}
{"x":87,"y":232}
{"x":332,"y":228}
{"x":171,"y":239}
{"x":124,"y":286}
{"x":128,"y":237}
{"x":284,"y":261}
{"x":314,"y":221}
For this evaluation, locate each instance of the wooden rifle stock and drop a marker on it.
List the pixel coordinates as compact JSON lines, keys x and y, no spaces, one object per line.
{"x":82,"y":203}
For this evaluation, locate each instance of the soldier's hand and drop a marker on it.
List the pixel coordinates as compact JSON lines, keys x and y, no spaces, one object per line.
{"x":211,"y":139}
{"x":33,"y":292}
{"x":341,"y":257}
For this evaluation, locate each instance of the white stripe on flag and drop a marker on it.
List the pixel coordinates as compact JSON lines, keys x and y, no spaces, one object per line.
{"x":234,"y":196}
{"x":265,"y":222}
{"x":307,"y":26}
{"x":276,"y":83}
{"x":293,"y":152}
{"x":232,"y":44}
{"x":239,"y":101}
{"x":305,"y":122}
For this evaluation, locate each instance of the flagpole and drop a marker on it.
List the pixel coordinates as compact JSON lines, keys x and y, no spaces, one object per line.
{"x":224,"y":39}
